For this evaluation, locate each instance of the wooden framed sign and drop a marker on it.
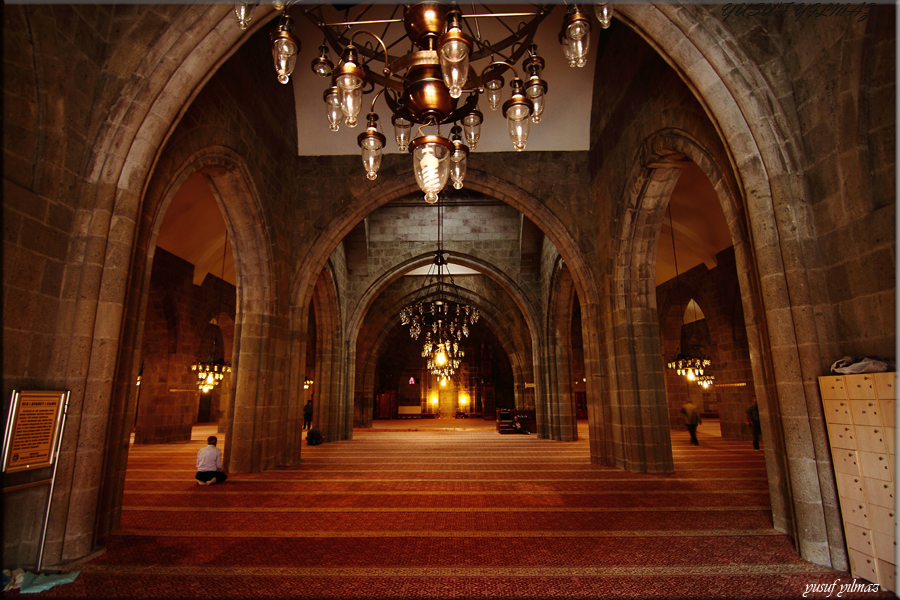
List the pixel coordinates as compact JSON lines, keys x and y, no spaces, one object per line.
{"x":32,"y":429}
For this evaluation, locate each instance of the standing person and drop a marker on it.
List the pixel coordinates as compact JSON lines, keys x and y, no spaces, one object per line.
{"x":209,"y":464}
{"x":691,"y":420}
{"x":307,"y":415}
{"x":753,"y":421}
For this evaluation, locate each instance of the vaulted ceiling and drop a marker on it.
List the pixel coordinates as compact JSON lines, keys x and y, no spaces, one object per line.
{"x":193,"y":228}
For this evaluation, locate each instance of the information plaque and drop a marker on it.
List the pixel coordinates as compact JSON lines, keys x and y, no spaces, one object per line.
{"x":32,"y":429}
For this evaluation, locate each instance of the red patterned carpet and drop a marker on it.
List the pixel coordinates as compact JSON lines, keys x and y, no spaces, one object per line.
{"x":451,"y":514}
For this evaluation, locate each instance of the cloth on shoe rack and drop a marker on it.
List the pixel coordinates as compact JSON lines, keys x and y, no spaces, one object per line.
{"x":865,"y":364}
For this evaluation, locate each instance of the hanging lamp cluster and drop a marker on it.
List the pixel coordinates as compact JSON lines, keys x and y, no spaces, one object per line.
{"x":211,"y":371}
{"x":439,"y":311}
{"x":705,"y":381}
{"x":690,"y":366}
{"x":433,"y":84}
{"x":444,"y":318}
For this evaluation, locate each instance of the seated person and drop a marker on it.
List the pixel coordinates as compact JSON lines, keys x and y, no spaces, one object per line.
{"x":209,"y":464}
{"x":518,"y":427}
{"x":314,"y":437}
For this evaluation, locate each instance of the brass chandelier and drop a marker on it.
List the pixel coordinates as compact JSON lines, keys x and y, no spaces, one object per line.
{"x":435,"y":83}
{"x":211,"y":371}
{"x":439,"y":311}
{"x":690,"y":366}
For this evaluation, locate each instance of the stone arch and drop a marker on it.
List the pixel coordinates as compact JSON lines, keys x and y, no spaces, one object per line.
{"x":765,"y":155}
{"x":367,"y":197}
{"x":493,"y":317}
{"x":236,"y":196}
{"x":560,"y":409}
{"x":502,"y":279}
{"x":710,"y":60}
{"x":235,"y":193}
{"x":652,"y":181}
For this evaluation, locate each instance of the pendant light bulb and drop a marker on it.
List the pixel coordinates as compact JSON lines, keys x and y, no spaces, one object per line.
{"x":494,"y":91}
{"x":349,"y":78}
{"x":244,"y":13}
{"x":454,"y":48}
{"x":429,"y":164}
{"x":472,"y":125}
{"x":333,"y":108}
{"x":604,"y":14}
{"x":402,"y":128}
{"x":535,"y":87}
{"x":517,"y":111}
{"x":322,"y":65}
{"x":285,"y":47}
{"x":371,"y":142}
{"x":575,"y":37}
{"x":458,"y":162}
{"x":431,"y":167}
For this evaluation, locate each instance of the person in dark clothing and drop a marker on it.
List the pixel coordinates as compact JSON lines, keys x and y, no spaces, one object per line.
{"x":518,"y":427}
{"x":307,"y":415}
{"x":753,"y":422}
{"x":314,"y":437}
{"x":691,"y":420}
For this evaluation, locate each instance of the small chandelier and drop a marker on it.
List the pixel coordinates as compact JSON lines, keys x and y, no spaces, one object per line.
{"x":211,"y":371}
{"x":435,"y":83}
{"x":687,"y":365}
{"x":691,"y":367}
{"x":443,"y":357}
{"x":444,"y":318}
{"x":307,"y":382}
{"x":705,"y":381}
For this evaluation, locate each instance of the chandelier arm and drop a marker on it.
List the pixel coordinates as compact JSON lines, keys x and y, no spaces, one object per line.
{"x":387,"y":62}
{"x":501,"y":15}
{"x":477,"y":27}
{"x":497,"y":16}
{"x":363,"y":12}
{"x":354,"y":23}
{"x":525,"y":35}
{"x":376,"y":98}
{"x":387,"y":27}
{"x":497,"y":63}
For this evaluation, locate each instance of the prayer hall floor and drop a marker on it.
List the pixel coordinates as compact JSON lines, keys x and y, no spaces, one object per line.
{"x":449,"y":508}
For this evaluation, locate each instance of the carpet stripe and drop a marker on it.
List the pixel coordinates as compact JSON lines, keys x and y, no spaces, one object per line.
{"x":304,"y":479}
{"x":494,"y":572}
{"x":500,"y":509}
{"x":168,"y":533}
{"x":447,"y":493}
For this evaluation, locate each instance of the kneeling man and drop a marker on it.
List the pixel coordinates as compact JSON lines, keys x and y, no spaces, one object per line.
{"x":209,"y":464}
